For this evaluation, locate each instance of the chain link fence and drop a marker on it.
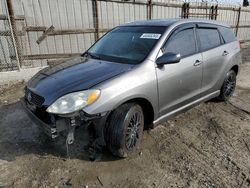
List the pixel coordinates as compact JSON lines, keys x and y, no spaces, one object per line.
{"x":8,"y":60}
{"x":35,"y":33}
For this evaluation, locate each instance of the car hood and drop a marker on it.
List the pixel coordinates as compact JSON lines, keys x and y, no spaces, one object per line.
{"x":73,"y":75}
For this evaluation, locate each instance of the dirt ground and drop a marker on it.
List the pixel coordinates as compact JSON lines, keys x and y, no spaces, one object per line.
{"x":208,"y":146}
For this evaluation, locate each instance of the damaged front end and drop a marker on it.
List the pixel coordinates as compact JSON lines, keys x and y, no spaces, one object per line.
{"x":55,"y":124}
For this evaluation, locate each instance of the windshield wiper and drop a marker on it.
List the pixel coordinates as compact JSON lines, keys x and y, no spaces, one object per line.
{"x":94,"y":56}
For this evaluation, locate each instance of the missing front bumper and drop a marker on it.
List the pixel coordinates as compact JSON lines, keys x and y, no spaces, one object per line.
{"x":68,"y":124}
{"x":52,"y":130}
{"x":95,"y":126}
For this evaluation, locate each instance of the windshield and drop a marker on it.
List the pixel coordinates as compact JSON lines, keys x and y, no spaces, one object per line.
{"x":127,"y":44}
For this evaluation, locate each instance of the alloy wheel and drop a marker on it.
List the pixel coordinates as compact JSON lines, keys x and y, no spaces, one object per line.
{"x":229,"y":85}
{"x":133,"y":131}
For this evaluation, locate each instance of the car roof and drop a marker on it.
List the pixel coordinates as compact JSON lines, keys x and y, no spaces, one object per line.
{"x":168,"y":22}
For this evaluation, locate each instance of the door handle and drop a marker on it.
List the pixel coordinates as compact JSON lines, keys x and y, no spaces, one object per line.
{"x":225,"y":53}
{"x":197,"y":63}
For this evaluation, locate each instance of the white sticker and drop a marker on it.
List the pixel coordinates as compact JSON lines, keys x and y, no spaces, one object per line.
{"x":150,"y":36}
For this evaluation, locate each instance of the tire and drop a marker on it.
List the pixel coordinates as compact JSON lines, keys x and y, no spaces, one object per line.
{"x":228,"y":86}
{"x":124,"y":129}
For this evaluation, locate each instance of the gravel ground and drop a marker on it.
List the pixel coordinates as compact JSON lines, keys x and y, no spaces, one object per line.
{"x":208,"y":146}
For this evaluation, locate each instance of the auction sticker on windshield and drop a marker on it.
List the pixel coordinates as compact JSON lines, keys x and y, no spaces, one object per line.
{"x":150,"y":36}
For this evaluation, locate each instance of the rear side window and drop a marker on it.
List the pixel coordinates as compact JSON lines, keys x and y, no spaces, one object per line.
{"x":227,"y":34}
{"x":209,"y":38}
{"x":181,"y":43}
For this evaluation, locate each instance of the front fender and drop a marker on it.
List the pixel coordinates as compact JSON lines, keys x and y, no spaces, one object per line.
{"x":140,"y":82}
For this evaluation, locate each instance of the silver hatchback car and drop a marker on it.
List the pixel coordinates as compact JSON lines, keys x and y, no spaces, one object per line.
{"x":135,"y":77}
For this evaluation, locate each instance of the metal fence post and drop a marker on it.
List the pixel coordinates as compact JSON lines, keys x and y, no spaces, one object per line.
{"x":185,"y":10}
{"x":149,"y":9}
{"x":238,"y":21}
{"x":96,"y":18}
{"x":211,"y":15}
{"x":216,"y":12}
{"x":13,"y":30}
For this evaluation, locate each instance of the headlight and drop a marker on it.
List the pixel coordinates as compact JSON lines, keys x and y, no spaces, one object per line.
{"x":73,"y":102}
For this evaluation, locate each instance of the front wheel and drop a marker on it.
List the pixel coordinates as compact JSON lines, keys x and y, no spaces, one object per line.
{"x":124,"y":129}
{"x":228,"y":86}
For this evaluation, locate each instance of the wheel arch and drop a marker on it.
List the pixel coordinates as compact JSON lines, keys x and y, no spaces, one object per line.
{"x":235,"y":68}
{"x":147,"y":108}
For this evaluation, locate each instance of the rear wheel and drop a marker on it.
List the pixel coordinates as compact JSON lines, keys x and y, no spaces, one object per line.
{"x":228,"y":86}
{"x":124,"y":129}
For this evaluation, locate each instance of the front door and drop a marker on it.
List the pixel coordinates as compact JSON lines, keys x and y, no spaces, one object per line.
{"x":180,"y":83}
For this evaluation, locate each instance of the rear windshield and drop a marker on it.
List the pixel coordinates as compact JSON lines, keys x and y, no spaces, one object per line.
{"x":127,"y":44}
{"x":227,"y":34}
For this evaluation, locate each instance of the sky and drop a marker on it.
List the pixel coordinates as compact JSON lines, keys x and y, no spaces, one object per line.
{"x":229,"y":2}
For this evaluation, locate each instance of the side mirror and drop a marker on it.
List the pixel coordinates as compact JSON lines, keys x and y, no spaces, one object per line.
{"x":168,"y":58}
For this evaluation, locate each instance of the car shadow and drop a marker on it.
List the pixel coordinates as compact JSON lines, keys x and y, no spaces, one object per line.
{"x":20,"y":136}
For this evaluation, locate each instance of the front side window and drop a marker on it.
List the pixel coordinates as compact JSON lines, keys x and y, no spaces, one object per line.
{"x":182,"y":43}
{"x":127,"y":44}
{"x":209,"y":38}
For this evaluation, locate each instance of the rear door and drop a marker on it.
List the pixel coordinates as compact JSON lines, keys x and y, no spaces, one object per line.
{"x":180,"y":83}
{"x":214,"y":56}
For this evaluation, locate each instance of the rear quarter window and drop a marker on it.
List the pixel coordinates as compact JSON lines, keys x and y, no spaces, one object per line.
{"x":209,"y":38}
{"x":227,"y":34}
